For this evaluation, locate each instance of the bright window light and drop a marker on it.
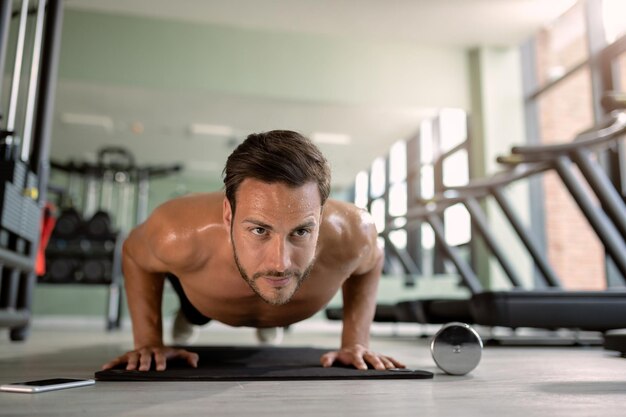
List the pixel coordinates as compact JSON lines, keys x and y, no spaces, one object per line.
{"x":378,"y":177}
{"x":427,"y":181}
{"x":360,"y":189}
{"x":428,"y":237}
{"x":398,"y":238}
{"x":453,"y":128}
{"x":426,"y":142}
{"x":397,"y":162}
{"x":613,"y":12}
{"x":397,"y":200}
{"x":378,"y":213}
{"x":455,"y":169}
{"x":457,"y":221}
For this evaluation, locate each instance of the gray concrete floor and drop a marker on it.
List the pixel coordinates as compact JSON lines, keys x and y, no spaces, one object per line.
{"x":510,"y":381}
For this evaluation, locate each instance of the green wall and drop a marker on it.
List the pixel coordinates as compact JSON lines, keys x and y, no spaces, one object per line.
{"x":150,"y":53}
{"x":154,"y":53}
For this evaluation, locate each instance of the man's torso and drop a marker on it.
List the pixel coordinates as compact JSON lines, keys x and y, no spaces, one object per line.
{"x":216,"y":288}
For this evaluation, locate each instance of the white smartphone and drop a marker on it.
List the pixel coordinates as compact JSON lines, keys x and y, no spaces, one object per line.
{"x":46,"y":385}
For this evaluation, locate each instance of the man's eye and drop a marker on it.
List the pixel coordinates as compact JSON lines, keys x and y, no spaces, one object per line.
{"x":259,"y":231}
{"x":301,"y":232}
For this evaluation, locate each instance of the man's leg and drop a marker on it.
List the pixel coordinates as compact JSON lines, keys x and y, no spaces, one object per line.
{"x":185,"y":329}
{"x":270,"y":336}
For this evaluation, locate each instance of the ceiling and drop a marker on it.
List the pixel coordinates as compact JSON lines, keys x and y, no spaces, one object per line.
{"x":147,"y":131}
{"x":144,"y":120}
{"x":435,"y":22}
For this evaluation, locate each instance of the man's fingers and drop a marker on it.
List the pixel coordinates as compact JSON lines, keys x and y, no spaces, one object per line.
{"x":142,"y":359}
{"x":193,"y":359}
{"x":113,"y":363}
{"x":388,"y":362}
{"x":359,"y":363}
{"x":159,"y":360}
{"x":328,"y":359}
{"x":190,"y":357}
{"x":145,"y":359}
{"x":374,"y":360}
{"x":360,"y":358}
{"x":396,"y":363}
{"x":132,"y":361}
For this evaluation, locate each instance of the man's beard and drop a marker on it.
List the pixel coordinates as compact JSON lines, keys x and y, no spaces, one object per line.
{"x":292,"y":274}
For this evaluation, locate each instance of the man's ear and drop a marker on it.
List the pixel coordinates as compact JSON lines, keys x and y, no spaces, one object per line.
{"x":227,"y":213}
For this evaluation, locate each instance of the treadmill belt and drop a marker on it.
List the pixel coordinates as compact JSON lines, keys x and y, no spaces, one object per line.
{"x":551,"y":309}
{"x":228,"y":363}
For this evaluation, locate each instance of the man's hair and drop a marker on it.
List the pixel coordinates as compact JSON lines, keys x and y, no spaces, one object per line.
{"x":277,"y":156}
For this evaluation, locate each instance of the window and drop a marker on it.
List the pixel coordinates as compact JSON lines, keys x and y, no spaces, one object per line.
{"x":456,"y":169}
{"x":561,"y":78}
{"x":613,"y":12}
{"x":566,"y":109}
{"x":361,"y":189}
{"x":561,"y":46}
{"x":397,"y":162}
{"x":377,"y":178}
{"x":453,"y":128}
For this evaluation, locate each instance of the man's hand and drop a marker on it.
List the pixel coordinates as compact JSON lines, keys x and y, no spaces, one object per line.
{"x":359,"y":356}
{"x":141,"y":359}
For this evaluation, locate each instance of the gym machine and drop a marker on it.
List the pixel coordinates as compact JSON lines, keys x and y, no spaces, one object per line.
{"x":24,"y":146}
{"x":549,"y":307}
{"x":100,"y":204}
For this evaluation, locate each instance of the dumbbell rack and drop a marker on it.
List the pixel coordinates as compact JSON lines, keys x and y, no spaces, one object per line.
{"x":80,"y":256}
{"x":85,"y":247}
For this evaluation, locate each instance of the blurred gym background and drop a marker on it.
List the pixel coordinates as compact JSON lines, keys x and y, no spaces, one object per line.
{"x":111,"y":108}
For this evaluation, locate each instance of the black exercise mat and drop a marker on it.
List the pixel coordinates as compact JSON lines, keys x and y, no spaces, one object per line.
{"x":229,"y":363}
{"x":616,"y":342}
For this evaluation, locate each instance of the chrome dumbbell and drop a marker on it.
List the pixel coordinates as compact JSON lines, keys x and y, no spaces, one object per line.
{"x":456,"y":348}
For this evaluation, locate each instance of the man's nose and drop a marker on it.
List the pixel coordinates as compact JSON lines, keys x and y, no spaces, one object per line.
{"x":279,"y":256}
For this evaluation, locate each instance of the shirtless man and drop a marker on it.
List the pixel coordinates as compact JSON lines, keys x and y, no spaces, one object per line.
{"x":273,"y":227}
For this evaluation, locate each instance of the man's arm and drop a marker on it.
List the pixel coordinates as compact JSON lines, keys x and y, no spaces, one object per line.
{"x":359,"y":306}
{"x":143,"y":281}
{"x":144,"y":290}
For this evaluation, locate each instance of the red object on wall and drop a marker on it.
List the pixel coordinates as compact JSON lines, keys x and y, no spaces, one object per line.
{"x":47,"y":225}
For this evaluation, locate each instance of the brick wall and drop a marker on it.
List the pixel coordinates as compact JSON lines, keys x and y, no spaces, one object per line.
{"x":573,"y":248}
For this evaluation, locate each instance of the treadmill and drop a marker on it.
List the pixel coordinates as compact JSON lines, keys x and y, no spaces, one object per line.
{"x":548,"y":307}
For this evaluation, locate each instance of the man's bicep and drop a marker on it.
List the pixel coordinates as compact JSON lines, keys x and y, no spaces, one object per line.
{"x":371,"y":255}
{"x":139,"y":252}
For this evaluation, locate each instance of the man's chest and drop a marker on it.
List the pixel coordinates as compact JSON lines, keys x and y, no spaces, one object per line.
{"x":222,"y":294}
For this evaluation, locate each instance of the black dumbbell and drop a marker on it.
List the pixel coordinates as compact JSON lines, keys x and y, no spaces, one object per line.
{"x":68,"y":224}
{"x":456,"y":348}
{"x":97,"y":270}
{"x":62,"y":269}
{"x":99,"y":225}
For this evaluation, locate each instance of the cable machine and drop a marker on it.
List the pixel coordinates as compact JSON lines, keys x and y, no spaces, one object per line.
{"x":29,"y":48}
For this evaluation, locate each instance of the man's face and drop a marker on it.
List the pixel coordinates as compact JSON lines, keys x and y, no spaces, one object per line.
{"x":274,"y":236}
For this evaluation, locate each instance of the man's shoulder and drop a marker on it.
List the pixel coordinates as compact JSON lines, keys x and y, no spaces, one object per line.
{"x":348,"y":237}
{"x":346,"y":224}
{"x":176,"y":228}
{"x":346,"y":215}
{"x":189,"y":203}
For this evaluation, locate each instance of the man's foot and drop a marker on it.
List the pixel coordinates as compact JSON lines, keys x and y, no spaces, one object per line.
{"x":183,"y":332}
{"x":270,"y":336}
